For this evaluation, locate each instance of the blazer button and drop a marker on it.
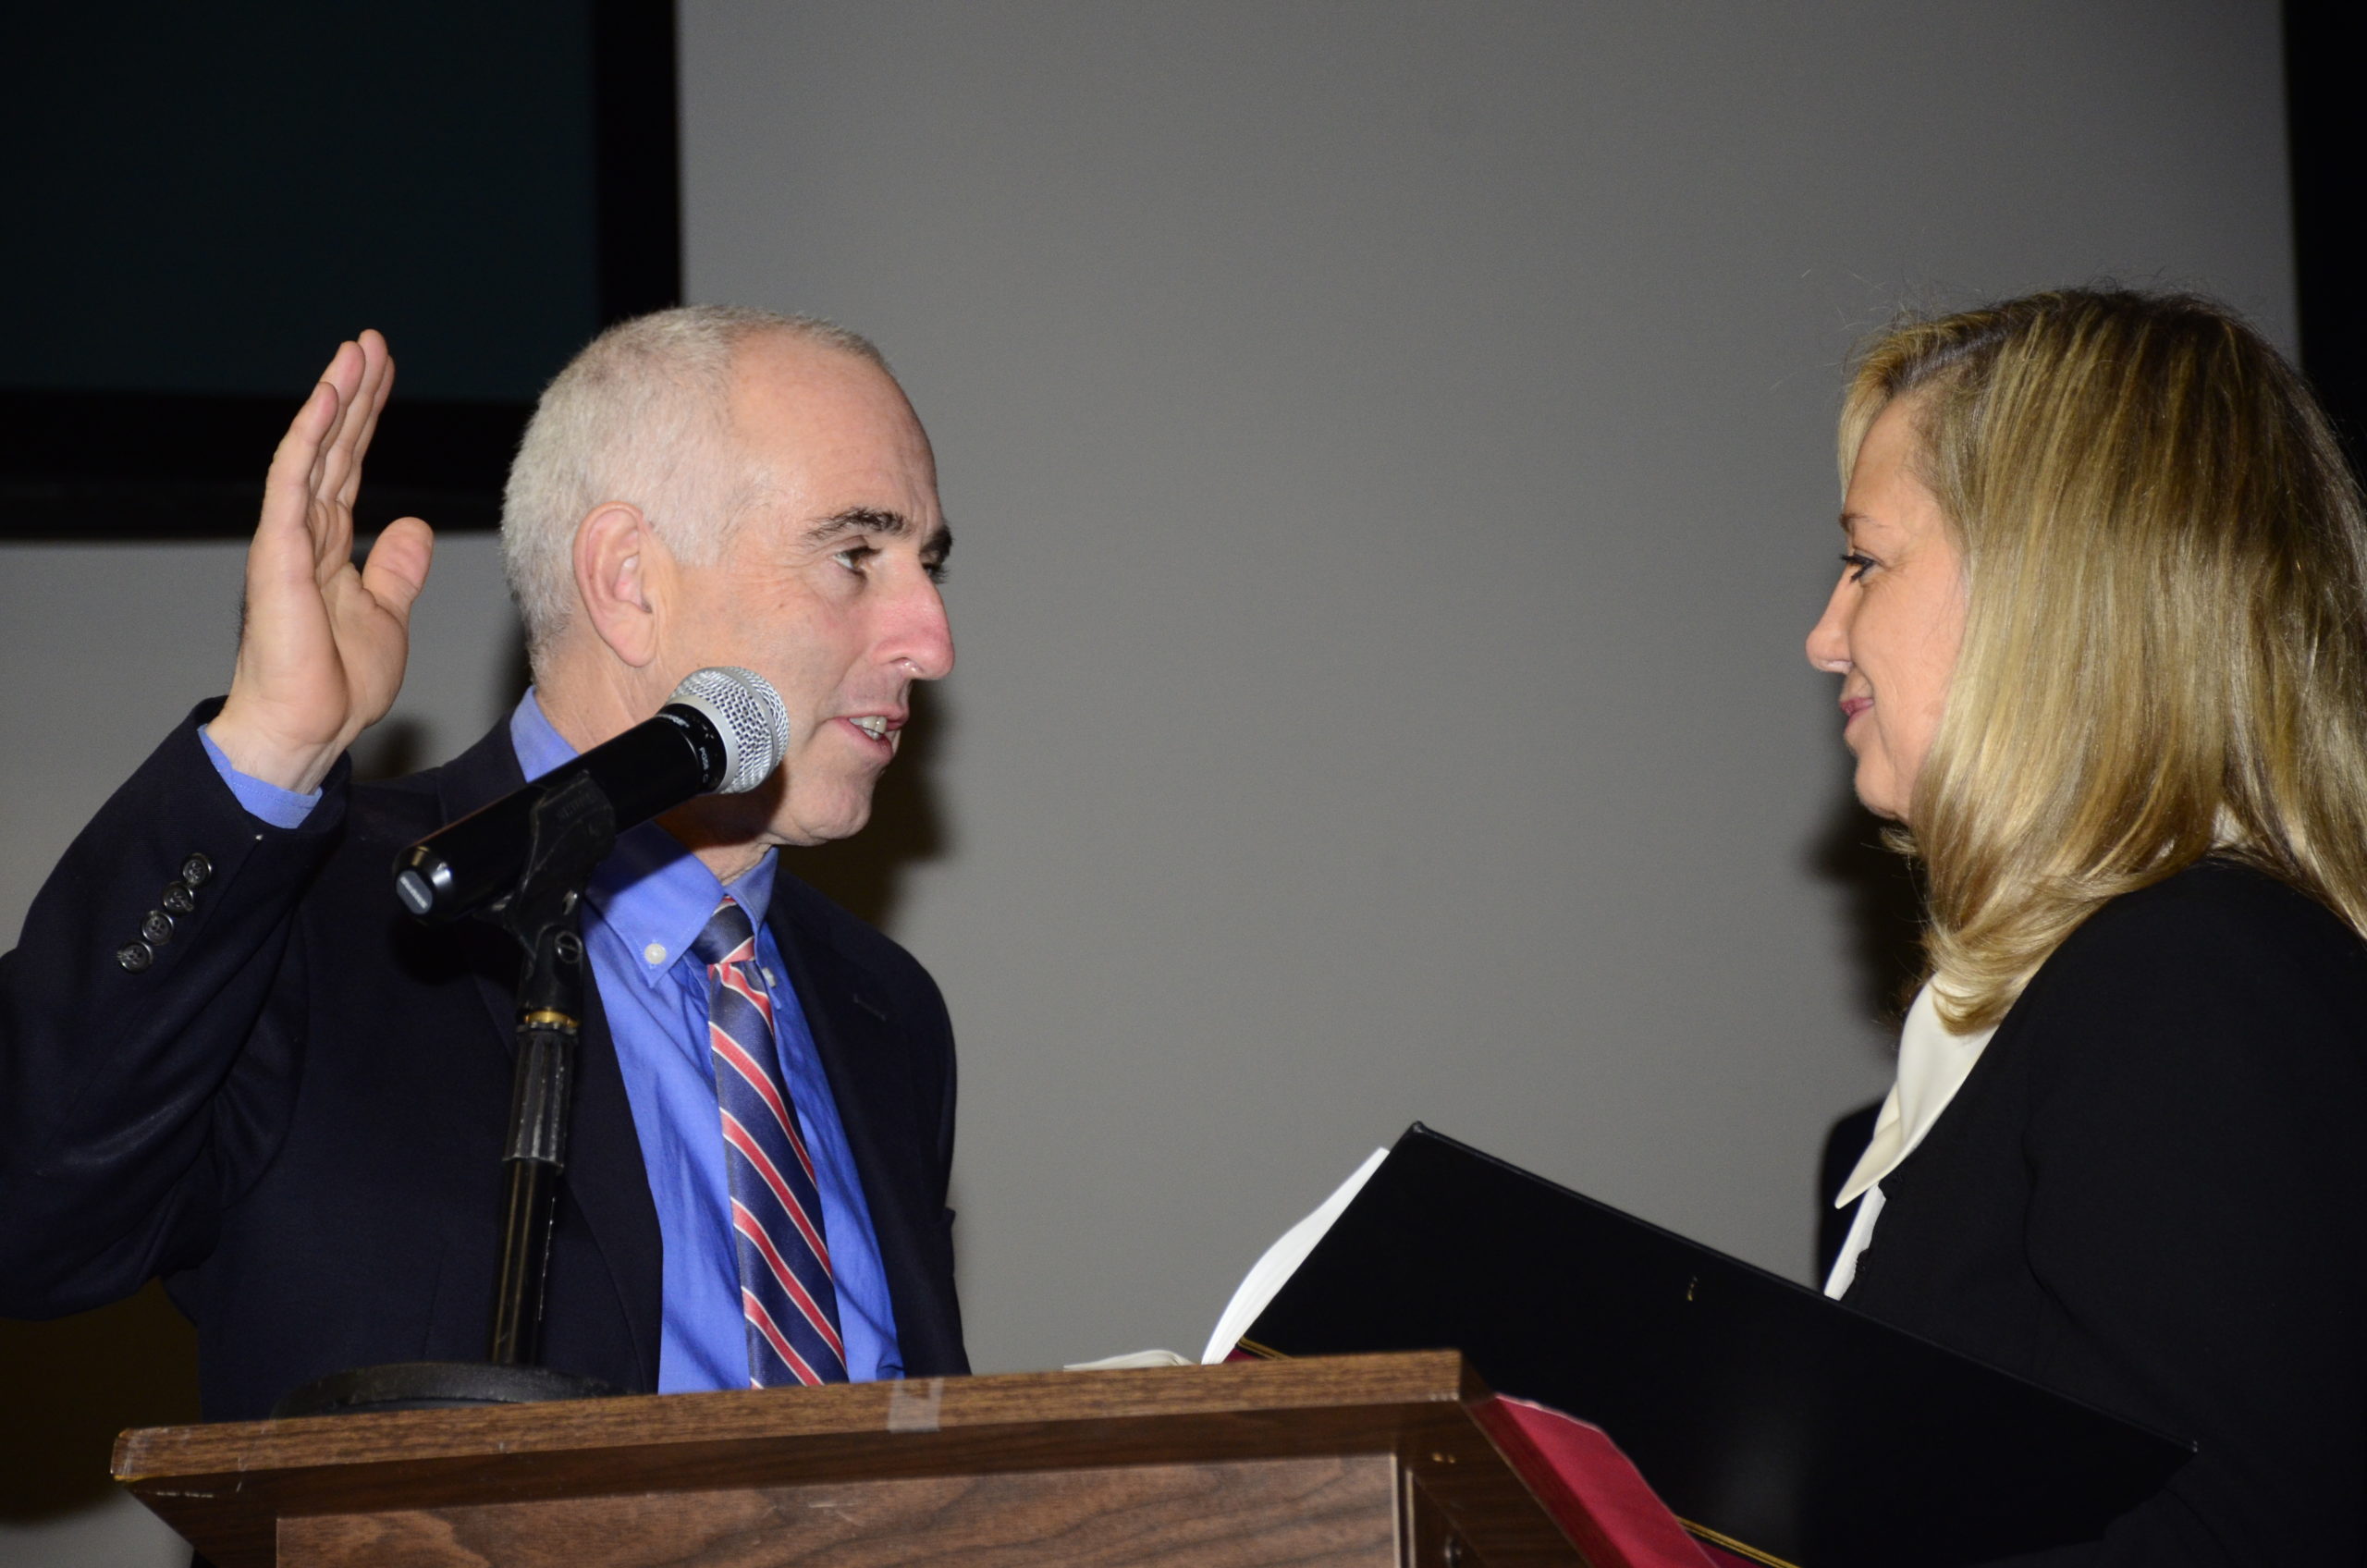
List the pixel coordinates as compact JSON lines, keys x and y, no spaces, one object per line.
{"x":135,"y":956}
{"x":177,"y":899}
{"x":195,"y":870}
{"x":157,"y":926}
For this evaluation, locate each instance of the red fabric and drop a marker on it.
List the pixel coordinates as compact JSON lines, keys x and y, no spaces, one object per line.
{"x":1591,"y":1490}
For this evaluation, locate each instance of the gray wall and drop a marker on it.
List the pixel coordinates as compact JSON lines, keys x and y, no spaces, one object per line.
{"x":1390,"y":445}
{"x":1391,"y":448}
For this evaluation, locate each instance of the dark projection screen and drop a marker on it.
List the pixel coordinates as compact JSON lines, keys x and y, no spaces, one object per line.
{"x":205,"y":200}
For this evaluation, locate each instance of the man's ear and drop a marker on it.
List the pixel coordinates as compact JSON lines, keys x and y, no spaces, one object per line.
{"x":618,"y":560}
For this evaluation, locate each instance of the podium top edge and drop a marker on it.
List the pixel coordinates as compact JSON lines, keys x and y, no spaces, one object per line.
{"x":147,"y":1456}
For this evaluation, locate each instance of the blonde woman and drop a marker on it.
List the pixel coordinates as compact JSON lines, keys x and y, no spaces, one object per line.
{"x":2102,"y":636}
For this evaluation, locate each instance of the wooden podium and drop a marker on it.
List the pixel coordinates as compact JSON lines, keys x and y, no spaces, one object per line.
{"x":1353,"y":1460}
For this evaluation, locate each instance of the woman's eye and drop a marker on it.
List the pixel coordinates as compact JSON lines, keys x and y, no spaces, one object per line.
{"x":1857,"y":564}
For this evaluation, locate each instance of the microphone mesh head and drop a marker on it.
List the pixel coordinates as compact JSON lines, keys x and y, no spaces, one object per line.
{"x":750,"y":717}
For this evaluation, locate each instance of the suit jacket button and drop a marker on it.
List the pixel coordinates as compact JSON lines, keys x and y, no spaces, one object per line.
{"x":195,"y":870}
{"x":135,"y":956}
{"x":177,"y":899}
{"x":157,"y":926}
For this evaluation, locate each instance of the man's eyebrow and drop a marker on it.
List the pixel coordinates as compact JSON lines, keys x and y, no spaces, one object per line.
{"x":860,"y":520}
{"x":879,"y":519}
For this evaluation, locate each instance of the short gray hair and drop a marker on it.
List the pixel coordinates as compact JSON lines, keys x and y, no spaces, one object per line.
{"x":643,"y":415}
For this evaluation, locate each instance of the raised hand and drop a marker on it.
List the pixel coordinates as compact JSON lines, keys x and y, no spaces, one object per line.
{"x":322,"y":650}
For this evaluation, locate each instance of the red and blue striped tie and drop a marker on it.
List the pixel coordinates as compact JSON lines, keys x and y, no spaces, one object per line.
{"x":785,"y":1288}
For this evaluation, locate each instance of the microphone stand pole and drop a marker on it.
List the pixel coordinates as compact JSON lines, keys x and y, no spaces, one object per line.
{"x":571,"y":828}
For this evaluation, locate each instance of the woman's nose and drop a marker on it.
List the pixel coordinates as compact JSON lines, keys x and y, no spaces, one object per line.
{"x":1828,"y":645}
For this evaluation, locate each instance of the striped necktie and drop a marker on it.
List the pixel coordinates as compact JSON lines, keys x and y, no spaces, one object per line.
{"x":785,"y":1288}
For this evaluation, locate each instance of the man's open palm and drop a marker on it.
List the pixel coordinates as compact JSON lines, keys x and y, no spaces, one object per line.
{"x":322,"y":651}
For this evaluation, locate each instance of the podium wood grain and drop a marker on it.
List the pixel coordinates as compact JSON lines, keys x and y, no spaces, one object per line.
{"x":1355,"y":1460}
{"x":1300,"y":1510}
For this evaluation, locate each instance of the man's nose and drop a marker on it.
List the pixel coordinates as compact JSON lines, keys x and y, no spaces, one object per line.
{"x":920,"y":636}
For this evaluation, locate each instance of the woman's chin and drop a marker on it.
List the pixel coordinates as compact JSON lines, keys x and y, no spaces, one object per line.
{"x":1877,"y":795}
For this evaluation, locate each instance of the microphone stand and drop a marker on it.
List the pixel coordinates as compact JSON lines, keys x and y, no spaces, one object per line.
{"x":574,"y":828}
{"x":571,"y":829}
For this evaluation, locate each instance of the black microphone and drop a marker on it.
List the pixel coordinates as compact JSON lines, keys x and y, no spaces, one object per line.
{"x":723,"y":731}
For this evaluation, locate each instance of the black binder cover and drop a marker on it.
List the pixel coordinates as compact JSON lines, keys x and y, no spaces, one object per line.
{"x":1796,"y":1428}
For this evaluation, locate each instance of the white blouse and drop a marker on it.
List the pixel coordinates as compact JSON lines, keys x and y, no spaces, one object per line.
{"x":1932,"y":1064}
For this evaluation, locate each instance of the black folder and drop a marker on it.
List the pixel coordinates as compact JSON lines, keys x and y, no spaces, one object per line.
{"x":1770,"y":1418}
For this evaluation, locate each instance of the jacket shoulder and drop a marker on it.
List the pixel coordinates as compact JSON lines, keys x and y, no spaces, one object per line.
{"x":2215,"y":923}
{"x":395,"y":810}
{"x":2220,"y":987}
{"x":818,"y":919}
{"x":388,"y":814}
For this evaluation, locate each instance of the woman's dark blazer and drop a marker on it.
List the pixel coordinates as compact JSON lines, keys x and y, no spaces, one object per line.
{"x":2151,"y":1194}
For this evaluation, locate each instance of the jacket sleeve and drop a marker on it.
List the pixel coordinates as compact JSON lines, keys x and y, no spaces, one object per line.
{"x":144,"y":1074}
{"x":2196,"y":1183}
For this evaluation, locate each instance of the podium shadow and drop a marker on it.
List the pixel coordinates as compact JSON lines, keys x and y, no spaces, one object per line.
{"x":74,"y":1383}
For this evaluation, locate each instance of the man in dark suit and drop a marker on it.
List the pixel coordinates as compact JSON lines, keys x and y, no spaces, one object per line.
{"x":229,"y":1058}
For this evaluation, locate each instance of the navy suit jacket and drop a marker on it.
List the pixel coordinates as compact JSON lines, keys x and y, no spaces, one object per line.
{"x":296,"y":1113}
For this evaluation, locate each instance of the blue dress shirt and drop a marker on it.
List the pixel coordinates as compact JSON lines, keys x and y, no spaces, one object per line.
{"x":645,"y":906}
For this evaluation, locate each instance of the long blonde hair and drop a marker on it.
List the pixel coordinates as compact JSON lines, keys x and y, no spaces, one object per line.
{"x":2166,"y":641}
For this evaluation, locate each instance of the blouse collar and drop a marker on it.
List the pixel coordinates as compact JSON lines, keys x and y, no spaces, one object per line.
{"x":1933,"y":1062}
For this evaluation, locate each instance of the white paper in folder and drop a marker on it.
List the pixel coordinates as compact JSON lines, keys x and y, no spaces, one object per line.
{"x":1263,"y":1282}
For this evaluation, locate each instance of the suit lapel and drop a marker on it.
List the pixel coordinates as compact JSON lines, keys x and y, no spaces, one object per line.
{"x":607,"y":1181}
{"x":847,"y":1010}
